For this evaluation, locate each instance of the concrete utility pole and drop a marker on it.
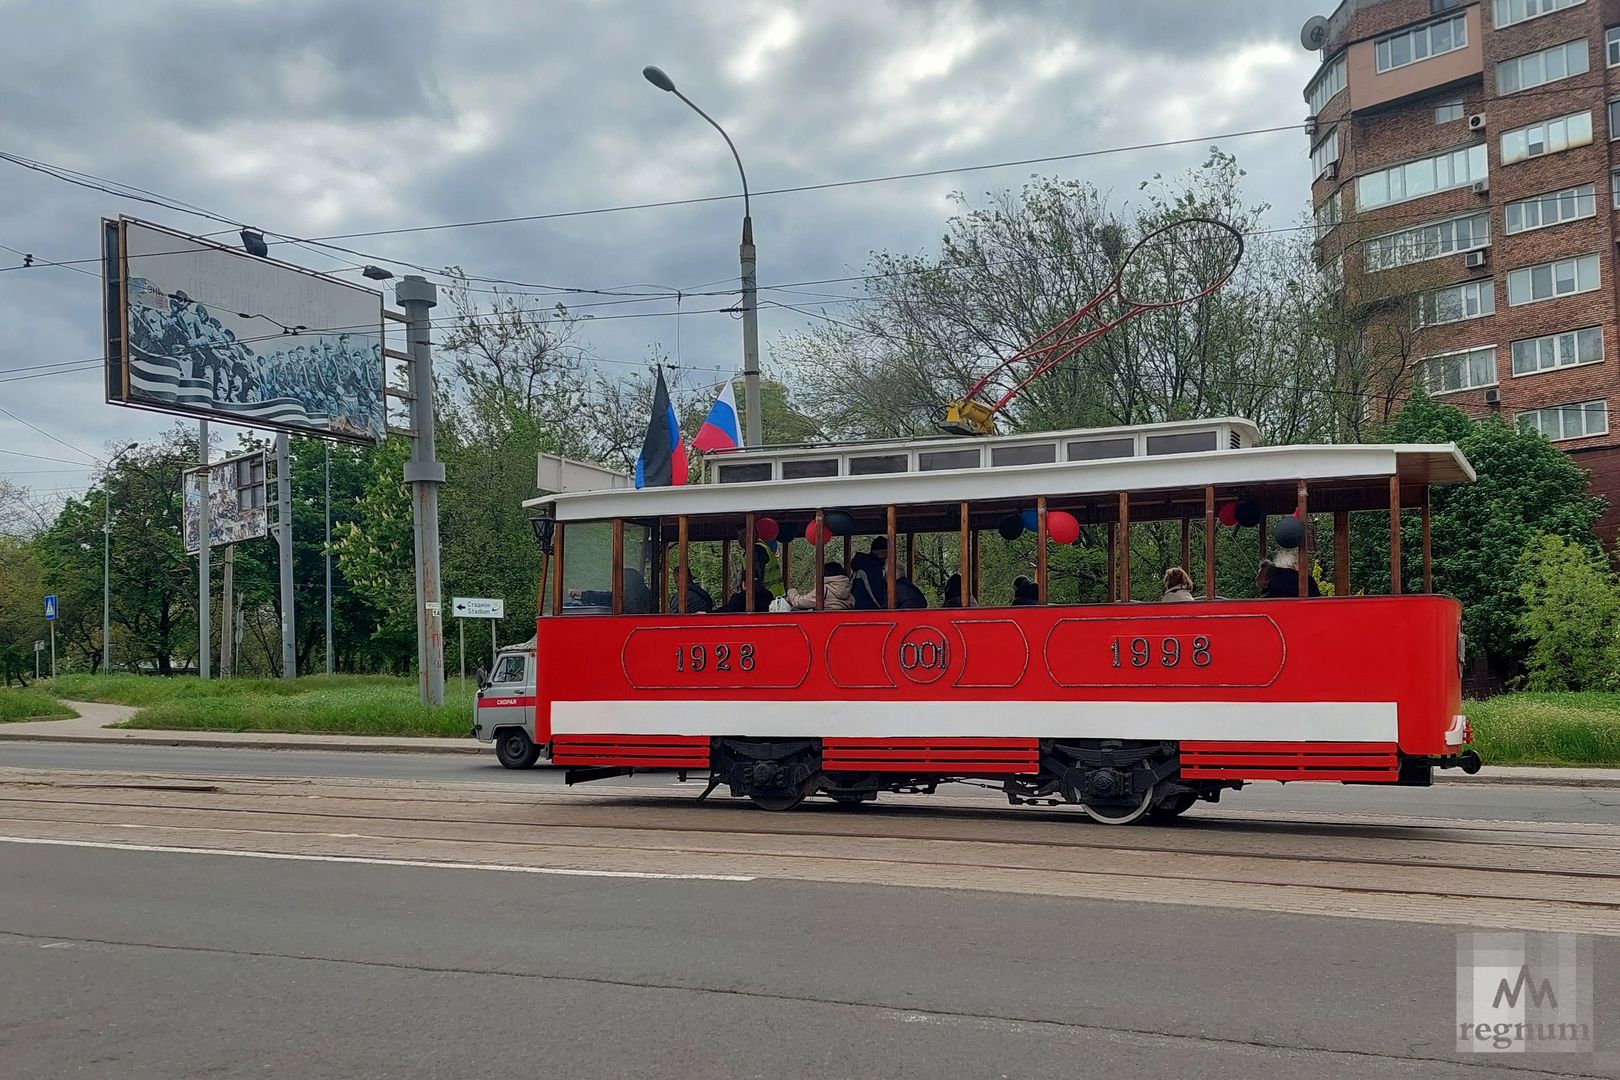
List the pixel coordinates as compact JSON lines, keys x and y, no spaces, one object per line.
{"x":284,"y":527}
{"x":205,"y":597}
{"x":106,"y":564}
{"x":227,"y":605}
{"x":424,"y":472}
{"x":750,"y":288}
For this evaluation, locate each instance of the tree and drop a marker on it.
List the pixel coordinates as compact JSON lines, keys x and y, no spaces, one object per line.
{"x":22,"y":589}
{"x":1480,"y":531}
{"x":1571,"y":615}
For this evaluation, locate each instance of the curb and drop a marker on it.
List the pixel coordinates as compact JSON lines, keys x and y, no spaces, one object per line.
{"x":1498,"y":778}
{"x":245,"y":744}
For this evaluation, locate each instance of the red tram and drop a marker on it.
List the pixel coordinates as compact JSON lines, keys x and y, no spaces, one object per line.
{"x":1127,"y":708}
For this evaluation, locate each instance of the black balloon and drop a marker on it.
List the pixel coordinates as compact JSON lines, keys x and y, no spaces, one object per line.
{"x":1011,"y":527}
{"x":839,"y":523}
{"x":1249,"y":513}
{"x":790,"y":530}
{"x":1289,"y":532}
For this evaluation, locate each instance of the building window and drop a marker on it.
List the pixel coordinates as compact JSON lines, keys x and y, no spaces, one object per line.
{"x":1509,"y":12}
{"x":1425,"y":176}
{"x":1329,"y":212}
{"x":1544,"y":281}
{"x":1447,"y":111}
{"x":1432,"y":241}
{"x":1548,"y":65}
{"x":1614,"y":187}
{"x":1433,"y":39}
{"x":1467,"y":370}
{"x":1548,"y":137}
{"x":1568,"y":349}
{"x":1326,"y":85}
{"x":1540,"y":211}
{"x":1614,"y":119}
{"x":1568,"y":421}
{"x":1325,"y":152}
{"x":1611,"y":46}
{"x":1455,"y":303}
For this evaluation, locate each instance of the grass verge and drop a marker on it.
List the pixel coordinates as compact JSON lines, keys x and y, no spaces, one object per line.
{"x":31,"y":704}
{"x":1548,"y":729}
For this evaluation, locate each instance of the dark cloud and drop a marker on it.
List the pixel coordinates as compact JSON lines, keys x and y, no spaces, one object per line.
{"x":322,"y":117}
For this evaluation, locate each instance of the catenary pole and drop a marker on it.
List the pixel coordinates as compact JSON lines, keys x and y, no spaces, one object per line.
{"x":329,"y":666}
{"x":424,"y":473}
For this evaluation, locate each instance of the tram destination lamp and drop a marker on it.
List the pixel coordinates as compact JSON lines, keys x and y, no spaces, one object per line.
{"x":545,"y":528}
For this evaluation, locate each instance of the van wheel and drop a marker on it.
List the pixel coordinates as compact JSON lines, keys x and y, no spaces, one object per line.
{"x":515,"y":750}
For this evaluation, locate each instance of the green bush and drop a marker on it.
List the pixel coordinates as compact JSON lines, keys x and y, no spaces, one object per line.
{"x":1571,"y":615}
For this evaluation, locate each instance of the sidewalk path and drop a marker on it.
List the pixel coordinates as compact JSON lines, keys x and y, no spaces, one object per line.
{"x":94,"y":718}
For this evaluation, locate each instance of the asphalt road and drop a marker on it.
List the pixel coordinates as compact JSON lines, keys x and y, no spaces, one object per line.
{"x":121,"y":964}
{"x":1474,"y":800}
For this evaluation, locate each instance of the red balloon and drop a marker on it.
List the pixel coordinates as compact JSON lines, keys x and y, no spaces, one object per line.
{"x":1062,"y":527}
{"x":767,"y":529}
{"x":1227,"y":513}
{"x":815,"y":533}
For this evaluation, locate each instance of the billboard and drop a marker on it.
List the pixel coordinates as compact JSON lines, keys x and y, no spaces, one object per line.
{"x":204,"y":330}
{"x":236,"y":501}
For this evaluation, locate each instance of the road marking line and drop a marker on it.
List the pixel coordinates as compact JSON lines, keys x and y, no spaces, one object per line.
{"x":366,"y":861}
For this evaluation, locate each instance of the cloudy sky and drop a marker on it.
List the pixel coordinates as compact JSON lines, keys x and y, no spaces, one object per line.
{"x":323,"y":119}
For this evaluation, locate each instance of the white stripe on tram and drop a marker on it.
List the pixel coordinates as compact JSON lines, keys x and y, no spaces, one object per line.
{"x":1219,"y":721}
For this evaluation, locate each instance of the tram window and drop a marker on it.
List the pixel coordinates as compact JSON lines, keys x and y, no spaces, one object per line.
{"x":1039,"y":454}
{"x":744,"y":472}
{"x":588,"y":566}
{"x":803,"y":469}
{"x":1188,"y":443}
{"x":934,"y":460}
{"x":877,"y":463}
{"x":1101,"y":449}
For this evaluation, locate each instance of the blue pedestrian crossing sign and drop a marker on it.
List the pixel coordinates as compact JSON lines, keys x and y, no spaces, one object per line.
{"x":50,"y":606}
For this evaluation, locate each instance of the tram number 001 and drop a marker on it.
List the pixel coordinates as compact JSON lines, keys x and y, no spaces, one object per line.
{"x":697,"y":658}
{"x":1139,"y":652}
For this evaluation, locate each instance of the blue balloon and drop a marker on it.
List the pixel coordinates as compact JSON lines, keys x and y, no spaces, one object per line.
{"x":1031,"y":519}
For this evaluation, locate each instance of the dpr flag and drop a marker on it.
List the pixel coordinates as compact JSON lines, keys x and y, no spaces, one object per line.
{"x":663,"y":456}
{"x":721,"y":430}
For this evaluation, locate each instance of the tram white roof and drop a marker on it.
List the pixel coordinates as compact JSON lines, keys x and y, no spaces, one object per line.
{"x":1416,"y":465}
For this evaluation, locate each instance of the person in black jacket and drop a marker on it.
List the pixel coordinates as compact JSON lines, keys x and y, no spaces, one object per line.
{"x":870,"y":578}
{"x":738,"y":601}
{"x":1283,"y":581}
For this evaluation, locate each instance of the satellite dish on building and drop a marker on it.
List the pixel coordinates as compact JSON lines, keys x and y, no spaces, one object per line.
{"x":1314,"y":34}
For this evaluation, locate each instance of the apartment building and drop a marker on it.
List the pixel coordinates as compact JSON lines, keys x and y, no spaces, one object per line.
{"x":1476,"y":140}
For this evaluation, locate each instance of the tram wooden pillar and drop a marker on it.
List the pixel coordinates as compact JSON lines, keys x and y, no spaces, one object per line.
{"x":1428,"y":548}
{"x":618,"y":566}
{"x":1113,"y":560}
{"x":1186,"y":544}
{"x":1302,"y":554}
{"x":683,"y":576}
{"x":1040,"y":549}
{"x":787,"y":565}
{"x":725,"y":569}
{"x":1341,"y":553}
{"x":750,"y":564}
{"x":1125,"y":547}
{"x":891,"y":559}
{"x":1209,"y":542}
{"x":969,"y":557}
{"x":558,"y":589}
{"x":1395,"y":536}
{"x":821,"y":561}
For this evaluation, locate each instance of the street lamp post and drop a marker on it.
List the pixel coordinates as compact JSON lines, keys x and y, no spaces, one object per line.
{"x":106,"y":565}
{"x":750,"y":290}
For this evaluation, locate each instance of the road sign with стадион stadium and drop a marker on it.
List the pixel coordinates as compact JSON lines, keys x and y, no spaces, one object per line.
{"x":474,"y":607}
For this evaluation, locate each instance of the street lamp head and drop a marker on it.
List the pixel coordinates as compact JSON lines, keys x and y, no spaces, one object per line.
{"x":132,"y":446}
{"x":657,"y":77}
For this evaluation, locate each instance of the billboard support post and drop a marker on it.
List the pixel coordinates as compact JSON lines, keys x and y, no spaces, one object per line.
{"x":205,"y":597}
{"x":284,"y":516}
{"x":227,"y":591}
{"x":424,"y":473}
{"x":329,"y":666}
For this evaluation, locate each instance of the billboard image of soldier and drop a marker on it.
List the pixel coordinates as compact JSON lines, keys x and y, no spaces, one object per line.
{"x":210,"y":331}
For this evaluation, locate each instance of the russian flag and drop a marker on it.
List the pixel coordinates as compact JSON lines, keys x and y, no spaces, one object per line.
{"x":721,"y":430}
{"x":663,"y":456}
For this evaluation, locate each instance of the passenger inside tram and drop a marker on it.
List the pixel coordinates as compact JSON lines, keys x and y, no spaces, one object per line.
{"x":1178,"y":586}
{"x":836,"y":589}
{"x":637,"y":597}
{"x":1025,"y":592}
{"x":867,"y":576}
{"x":952,"y":593}
{"x":738,"y":601}
{"x":1283,"y":579}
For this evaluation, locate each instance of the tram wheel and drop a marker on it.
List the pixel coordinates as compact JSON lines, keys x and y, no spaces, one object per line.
{"x":776,"y":803}
{"x":1174,"y":806}
{"x":1122,"y":813}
